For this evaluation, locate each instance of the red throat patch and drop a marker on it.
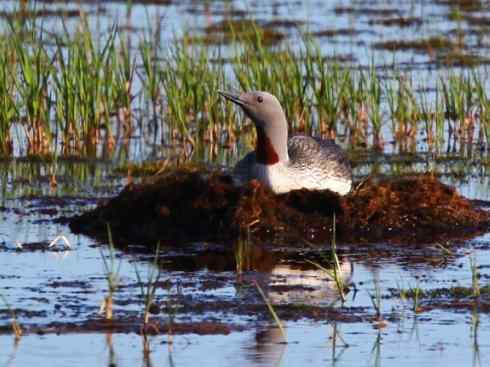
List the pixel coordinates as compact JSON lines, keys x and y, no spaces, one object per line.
{"x":264,"y":151}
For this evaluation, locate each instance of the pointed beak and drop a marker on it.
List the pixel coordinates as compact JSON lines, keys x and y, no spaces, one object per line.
{"x":235,"y":98}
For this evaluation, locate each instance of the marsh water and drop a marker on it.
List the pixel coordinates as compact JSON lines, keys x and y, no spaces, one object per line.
{"x":56,"y":290}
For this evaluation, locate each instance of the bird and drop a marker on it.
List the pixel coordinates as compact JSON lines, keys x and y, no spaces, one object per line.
{"x":282,"y":164}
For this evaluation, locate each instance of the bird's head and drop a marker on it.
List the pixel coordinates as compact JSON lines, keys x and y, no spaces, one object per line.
{"x":270,"y":122}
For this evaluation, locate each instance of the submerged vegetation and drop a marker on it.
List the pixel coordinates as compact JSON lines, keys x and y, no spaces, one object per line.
{"x":79,"y":94}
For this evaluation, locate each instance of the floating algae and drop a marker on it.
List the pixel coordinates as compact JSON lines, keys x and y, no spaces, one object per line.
{"x":188,"y":206}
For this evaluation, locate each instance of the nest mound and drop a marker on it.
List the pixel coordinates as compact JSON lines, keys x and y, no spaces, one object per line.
{"x":186,"y":206}
{"x":418,"y":208}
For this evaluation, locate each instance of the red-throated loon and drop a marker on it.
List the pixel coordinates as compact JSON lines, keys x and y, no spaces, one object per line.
{"x":302,"y":162}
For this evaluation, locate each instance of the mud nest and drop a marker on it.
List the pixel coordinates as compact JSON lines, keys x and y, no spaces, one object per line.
{"x":188,"y":206}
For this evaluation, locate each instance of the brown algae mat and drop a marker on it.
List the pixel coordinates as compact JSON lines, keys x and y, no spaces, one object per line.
{"x":123,"y":325}
{"x":187,"y":206}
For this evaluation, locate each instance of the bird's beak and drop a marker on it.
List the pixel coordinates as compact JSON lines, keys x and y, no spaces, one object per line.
{"x":235,"y":98}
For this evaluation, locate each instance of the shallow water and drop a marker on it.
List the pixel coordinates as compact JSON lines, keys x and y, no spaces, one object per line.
{"x":351,"y":29}
{"x":67,"y":285}
{"x":62,"y":285}
{"x":443,"y":343}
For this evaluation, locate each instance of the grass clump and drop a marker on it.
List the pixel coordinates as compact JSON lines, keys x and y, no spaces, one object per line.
{"x":79,"y":93}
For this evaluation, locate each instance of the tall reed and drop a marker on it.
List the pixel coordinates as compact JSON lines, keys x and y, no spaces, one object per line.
{"x":32,"y":81}
{"x":8,"y":107}
{"x":77,"y":91}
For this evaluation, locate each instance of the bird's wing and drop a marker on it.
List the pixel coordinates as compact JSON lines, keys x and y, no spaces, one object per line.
{"x":306,"y":151}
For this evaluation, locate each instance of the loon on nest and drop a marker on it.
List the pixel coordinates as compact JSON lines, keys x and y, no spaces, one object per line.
{"x":302,"y":162}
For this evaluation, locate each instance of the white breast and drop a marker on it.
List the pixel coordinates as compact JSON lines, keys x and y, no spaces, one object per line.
{"x":281,"y":179}
{"x":275,"y":176}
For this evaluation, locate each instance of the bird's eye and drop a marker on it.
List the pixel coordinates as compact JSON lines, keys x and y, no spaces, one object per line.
{"x":260,"y":99}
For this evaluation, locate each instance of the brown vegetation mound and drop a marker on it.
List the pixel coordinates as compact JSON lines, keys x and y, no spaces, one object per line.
{"x":186,"y":206}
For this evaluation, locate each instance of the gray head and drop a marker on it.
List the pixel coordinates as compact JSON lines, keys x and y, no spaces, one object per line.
{"x":270,"y":122}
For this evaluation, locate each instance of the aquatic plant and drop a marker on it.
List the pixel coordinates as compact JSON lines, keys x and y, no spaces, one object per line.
{"x":475,"y":327}
{"x":376,"y":350}
{"x":149,"y":286}
{"x":8,"y":108}
{"x":17,"y":330}
{"x":336,"y":337}
{"x":475,"y":277}
{"x":336,"y":273}
{"x":190,"y":81}
{"x":445,"y":251}
{"x":242,"y":255}
{"x":32,"y":84}
{"x":111,"y":274}
{"x":170,"y":310}
{"x":152,"y":76}
{"x":78,"y":93}
{"x":88,"y":89}
{"x":272,"y":311}
{"x":414,"y":293}
{"x":376,"y":300}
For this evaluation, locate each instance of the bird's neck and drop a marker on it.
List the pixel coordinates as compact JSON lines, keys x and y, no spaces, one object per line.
{"x":271,"y":147}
